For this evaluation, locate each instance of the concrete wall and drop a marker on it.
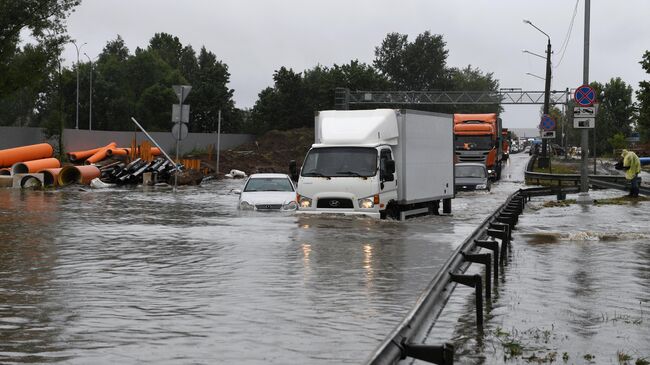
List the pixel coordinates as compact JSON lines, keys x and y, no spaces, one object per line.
{"x":75,"y":140}
{"x":20,"y":136}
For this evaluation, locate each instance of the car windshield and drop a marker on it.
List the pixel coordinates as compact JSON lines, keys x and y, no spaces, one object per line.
{"x":473,"y":142}
{"x":470,"y":171}
{"x":341,"y":161}
{"x":268,"y":184}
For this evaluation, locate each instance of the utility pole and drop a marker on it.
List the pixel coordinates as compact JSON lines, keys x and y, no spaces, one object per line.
{"x":547,"y":96}
{"x":76,"y":125}
{"x":90,"y":95}
{"x":584,"y":197}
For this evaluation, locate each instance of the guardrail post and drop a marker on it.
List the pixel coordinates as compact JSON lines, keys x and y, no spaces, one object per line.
{"x":502,"y":233}
{"x":475,"y":281}
{"x":502,"y":226}
{"x":442,"y":355}
{"x":485,"y":259}
{"x":494,"y":246}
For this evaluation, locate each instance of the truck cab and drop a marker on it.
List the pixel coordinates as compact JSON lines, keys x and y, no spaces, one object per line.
{"x":357,"y":180}
{"x":478,"y":138}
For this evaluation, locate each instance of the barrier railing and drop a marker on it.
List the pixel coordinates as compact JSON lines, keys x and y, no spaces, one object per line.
{"x":493,"y":234}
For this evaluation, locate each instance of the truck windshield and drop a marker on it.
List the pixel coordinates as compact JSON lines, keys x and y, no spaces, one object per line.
{"x":473,"y":142}
{"x":470,"y":171}
{"x":341,"y":161}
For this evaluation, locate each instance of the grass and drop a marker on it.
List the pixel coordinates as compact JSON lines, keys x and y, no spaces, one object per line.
{"x":642,"y":361}
{"x":623,"y":358}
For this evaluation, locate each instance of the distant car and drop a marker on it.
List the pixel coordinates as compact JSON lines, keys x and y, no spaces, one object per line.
{"x":268,"y":192}
{"x":471,"y":176}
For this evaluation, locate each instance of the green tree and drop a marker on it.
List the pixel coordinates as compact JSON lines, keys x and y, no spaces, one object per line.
{"x":616,"y":112}
{"x":643,"y":96}
{"x":26,"y":70}
{"x":210,"y":93}
{"x":417,"y":65}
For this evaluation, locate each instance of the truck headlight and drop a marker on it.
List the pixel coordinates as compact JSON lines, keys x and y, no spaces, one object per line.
{"x":481,"y":186}
{"x":290,"y":205}
{"x":305,"y":202}
{"x":366,"y":203}
{"x":246,"y":206}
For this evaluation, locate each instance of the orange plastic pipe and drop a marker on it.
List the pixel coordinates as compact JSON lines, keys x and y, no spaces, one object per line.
{"x":155,"y":151}
{"x":101,"y":154}
{"x":118,"y":151}
{"x":78,"y":174}
{"x":80,"y":155}
{"x":10,"y":156}
{"x":50,"y":176}
{"x":35,"y":165}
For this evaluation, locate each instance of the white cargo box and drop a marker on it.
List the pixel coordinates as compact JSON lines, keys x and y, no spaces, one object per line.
{"x":424,"y":156}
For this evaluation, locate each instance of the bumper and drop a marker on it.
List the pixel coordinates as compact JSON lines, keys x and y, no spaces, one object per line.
{"x":339,"y":212}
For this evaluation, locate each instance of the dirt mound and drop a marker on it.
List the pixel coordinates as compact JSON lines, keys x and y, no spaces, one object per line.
{"x":270,"y":152}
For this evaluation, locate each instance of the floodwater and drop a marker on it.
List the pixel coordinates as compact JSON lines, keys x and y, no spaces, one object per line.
{"x":576,"y":291}
{"x":149,"y":276}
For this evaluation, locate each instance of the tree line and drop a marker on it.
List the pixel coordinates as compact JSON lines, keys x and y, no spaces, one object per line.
{"x":36,"y":90}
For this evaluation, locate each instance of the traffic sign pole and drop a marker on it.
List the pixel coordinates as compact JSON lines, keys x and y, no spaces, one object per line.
{"x":178,"y":139}
{"x":584,"y":198}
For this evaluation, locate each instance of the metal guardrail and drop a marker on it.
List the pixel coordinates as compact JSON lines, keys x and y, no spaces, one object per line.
{"x":407,"y":339}
{"x":603,"y":181}
{"x":620,"y":186}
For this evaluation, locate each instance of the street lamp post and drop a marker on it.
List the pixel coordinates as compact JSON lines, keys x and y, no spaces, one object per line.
{"x":90,"y":111}
{"x":76,"y":125}
{"x":544,"y":160}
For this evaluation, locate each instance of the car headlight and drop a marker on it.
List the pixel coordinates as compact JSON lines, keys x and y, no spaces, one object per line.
{"x":481,"y":186}
{"x":366,"y":203}
{"x":290,"y":205}
{"x":304,"y":202}
{"x":246,"y":206}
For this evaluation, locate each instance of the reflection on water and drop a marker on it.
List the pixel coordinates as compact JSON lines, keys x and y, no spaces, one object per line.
{"x":148,"y":276}
{"x":578,"y":283}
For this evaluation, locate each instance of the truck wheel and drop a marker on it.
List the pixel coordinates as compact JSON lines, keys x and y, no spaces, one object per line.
{"x":391,"y":212}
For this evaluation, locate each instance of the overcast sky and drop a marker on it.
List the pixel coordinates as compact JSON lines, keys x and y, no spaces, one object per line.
{"x":256,"y":37}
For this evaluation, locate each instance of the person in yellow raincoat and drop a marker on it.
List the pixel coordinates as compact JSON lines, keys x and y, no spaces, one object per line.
{"x":632,"y":165}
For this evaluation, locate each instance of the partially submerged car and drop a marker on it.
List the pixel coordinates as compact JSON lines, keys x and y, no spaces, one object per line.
{"x":267,"y":192}
{"x":471,"y":176}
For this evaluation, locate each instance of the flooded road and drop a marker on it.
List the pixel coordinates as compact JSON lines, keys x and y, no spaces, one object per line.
{"x":576,"y":290}
{"x":148,"y":276}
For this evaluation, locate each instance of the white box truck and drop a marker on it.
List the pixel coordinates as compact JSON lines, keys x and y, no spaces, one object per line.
{"x":380,"y":163}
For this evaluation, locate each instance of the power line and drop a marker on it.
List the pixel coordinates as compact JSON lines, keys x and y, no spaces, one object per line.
{"x":565,"y":43}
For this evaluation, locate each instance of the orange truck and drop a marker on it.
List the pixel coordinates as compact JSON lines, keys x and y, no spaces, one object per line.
{"x":478,"y":138}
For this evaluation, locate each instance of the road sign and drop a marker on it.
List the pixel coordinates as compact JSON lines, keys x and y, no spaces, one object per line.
{"x":548,"y":134}
{"x":181,"y":92}
{"x":547,"y":124}
{"x":179,"y":131}
{"x":584,"y":122}
{"x":584,"y":95}
{"x":584,"y":111}
{"x":180,"y":116}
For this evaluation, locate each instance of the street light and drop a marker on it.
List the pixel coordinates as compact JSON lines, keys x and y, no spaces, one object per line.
{"x":547,"y":92}
{"x":90,"y":112}
{"x":533,"y":75}
{"x":76,"y":126}
{"x":533,"y":53}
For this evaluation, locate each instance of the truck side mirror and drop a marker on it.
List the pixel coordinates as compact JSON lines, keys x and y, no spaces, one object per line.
{"x":387,"y":170}
{"x":293,"y":171}
{"x":390,"y":166}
